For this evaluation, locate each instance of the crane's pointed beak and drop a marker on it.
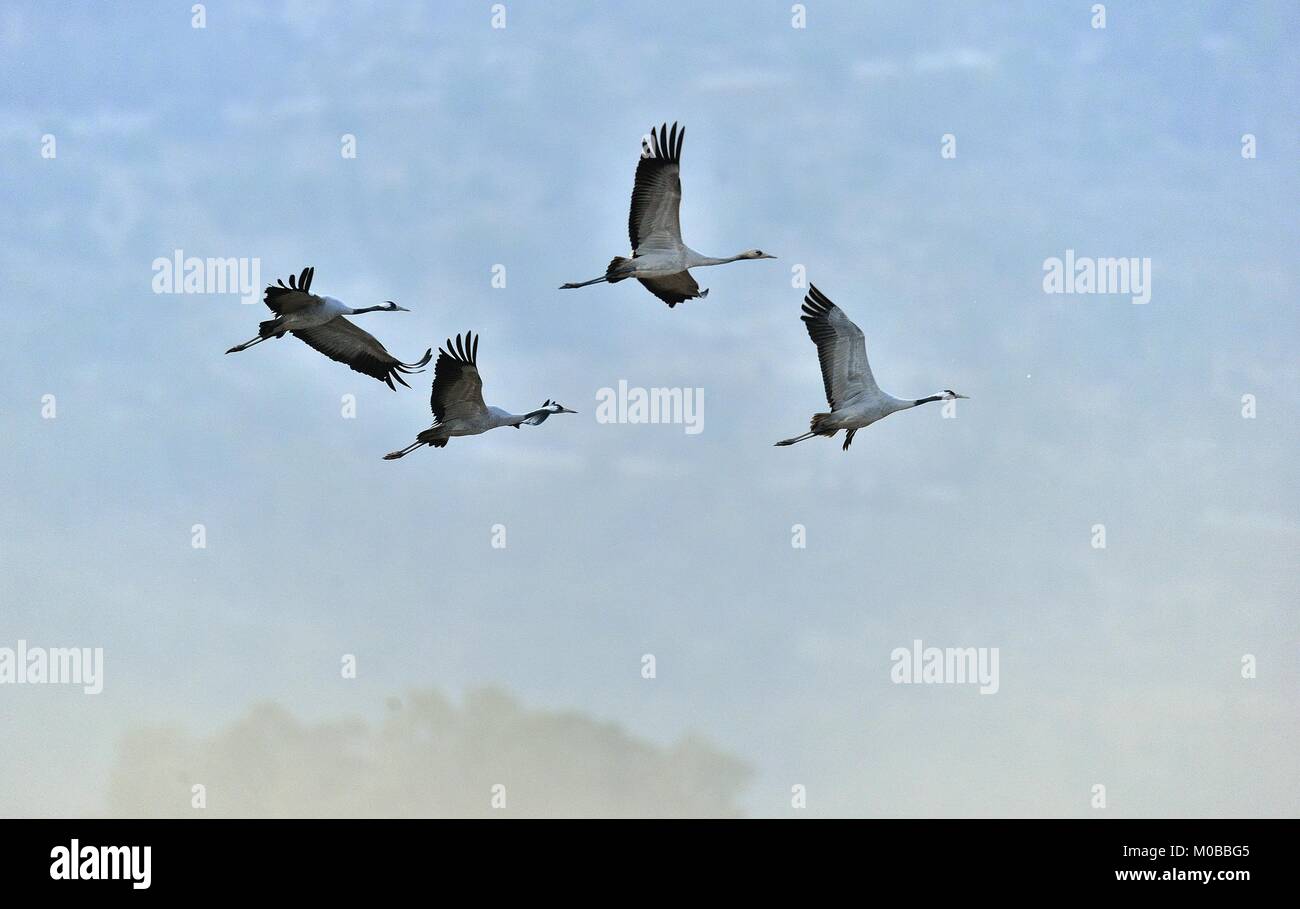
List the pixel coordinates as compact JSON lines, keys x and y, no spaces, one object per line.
{"x":398,"y":308}
{"x":767,"y":256}
{"x":564,"y":409}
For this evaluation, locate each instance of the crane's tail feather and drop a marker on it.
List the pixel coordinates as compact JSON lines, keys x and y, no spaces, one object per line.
{"x":271,"y":327}
{"x":619,"y":268}
{"x":818,"y":425}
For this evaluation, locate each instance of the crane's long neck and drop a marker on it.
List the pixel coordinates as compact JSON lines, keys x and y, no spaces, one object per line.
{"x":696,"y":259}
{"x":357,"y":312}
{"x":926,"y":400}
{"x":499,"y":416}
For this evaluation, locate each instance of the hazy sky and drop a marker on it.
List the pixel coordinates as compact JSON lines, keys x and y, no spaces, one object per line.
{"x":479,"y":147}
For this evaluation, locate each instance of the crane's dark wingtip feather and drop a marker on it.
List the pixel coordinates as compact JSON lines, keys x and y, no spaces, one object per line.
{"x":818,"y":299}
{"x":665,"y":142}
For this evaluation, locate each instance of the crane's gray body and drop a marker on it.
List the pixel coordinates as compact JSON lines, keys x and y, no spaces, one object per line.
{"x":855,"y":399}
{"x":457,"y":401}
{"x":660,"y":260}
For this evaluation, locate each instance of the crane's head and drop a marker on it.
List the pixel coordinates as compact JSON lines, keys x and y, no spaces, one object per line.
{"x":950,"y":395}
{"x":755,"y":254}
{"x":543,"y":413}
{"x":393,"y":307}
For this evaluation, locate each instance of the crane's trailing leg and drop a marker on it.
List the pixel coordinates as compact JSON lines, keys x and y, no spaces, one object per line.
{"x":620,"y":268}
{"x":271,"y":328}
{"x":247,"y":344}
{"x":820,"y":425}
{"x":573,"y":284}
{"x":403,"y":452}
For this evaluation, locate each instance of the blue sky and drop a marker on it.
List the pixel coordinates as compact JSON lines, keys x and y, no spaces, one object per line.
{"x":479,"y":146}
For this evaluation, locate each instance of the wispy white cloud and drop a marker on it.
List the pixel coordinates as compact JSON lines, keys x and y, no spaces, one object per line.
{"x":926,"y":63}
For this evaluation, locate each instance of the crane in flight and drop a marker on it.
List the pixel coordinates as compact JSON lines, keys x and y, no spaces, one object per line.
{"x":457,"y":401}
{"x":854,"y":397}
{"x":660,"y":260}
{"x":318,"y":322}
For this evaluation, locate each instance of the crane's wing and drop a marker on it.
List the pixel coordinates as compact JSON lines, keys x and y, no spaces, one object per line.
{"x":841,"y":349}
{"x":340,"y":340}
{"x":457,"y":386}
{"x":283,"y":300}
{"x":673,"y":289}
{"x":652,"y":224}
